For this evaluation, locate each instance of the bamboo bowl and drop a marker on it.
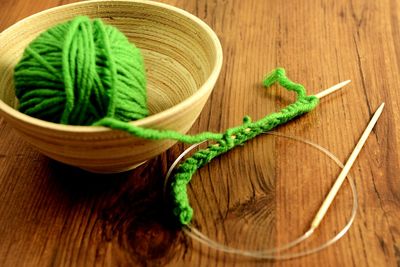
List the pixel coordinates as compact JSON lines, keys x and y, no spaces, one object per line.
{"x":183,"y":58}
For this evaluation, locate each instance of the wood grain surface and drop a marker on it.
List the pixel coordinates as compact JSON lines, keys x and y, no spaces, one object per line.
{"x":257,"y":196}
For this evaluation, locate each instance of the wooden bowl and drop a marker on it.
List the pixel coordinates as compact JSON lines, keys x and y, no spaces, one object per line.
{"x":183,"y":58}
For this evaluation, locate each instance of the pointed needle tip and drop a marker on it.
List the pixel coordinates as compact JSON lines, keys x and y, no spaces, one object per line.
{"x":332,"y":89}
{"x":346,"y":82}
{"x":380,"y":108}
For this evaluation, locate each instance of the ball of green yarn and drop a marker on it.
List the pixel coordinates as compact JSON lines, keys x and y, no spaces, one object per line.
{"x":79,"y":72}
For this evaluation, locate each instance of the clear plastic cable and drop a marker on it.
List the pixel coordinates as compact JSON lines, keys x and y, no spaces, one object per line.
{"x":273,"y":253}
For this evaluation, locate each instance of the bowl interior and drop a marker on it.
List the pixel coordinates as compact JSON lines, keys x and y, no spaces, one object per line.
{"x":179,"y":52}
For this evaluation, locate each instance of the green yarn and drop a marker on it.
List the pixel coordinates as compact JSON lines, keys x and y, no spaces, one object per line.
{"x":83,"y":72}
{"x":79,"y":72}
{"x":302,"y":105}
{"x":234,"y":137}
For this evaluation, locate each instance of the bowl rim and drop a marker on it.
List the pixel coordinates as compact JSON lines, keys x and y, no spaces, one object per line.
{"x":150,"y":120}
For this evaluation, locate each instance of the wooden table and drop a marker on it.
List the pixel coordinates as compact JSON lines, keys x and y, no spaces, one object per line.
{"x":258,"y":196}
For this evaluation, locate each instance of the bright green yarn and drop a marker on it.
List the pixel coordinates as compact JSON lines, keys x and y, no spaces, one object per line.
{"x":79,"y":72}
{"x":83,"y":72}
{"x":234,"y":137}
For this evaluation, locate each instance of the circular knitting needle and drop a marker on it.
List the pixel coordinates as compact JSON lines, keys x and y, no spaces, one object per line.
{"x":339,"y":181}
{"x":332,"y":89}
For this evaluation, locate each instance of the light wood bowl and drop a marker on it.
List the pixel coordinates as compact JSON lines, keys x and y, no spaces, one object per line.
{"x":183,"y":58}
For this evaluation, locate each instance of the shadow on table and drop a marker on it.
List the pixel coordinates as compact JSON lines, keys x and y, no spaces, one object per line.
{"x":129,"y":210}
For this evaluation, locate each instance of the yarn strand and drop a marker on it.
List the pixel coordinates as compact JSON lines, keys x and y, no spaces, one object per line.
{"x":242,"y":133}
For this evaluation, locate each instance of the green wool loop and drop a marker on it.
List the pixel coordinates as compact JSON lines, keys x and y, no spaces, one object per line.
{"x":83,"y":72}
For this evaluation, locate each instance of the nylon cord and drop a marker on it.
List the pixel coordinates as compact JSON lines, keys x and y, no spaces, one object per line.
{"x":272,"y":253}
